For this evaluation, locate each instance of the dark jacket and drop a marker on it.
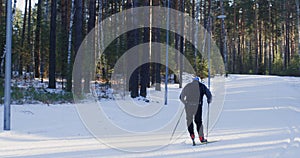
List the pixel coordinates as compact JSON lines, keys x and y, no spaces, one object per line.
{"x":193,"y":93}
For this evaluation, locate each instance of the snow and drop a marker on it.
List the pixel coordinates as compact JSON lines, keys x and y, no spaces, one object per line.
{"x":260,"y":118}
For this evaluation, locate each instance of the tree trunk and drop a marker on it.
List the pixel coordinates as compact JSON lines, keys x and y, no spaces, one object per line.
{"x":270,"y":40}
{"x":44,"y":39}
{"x":182,"y":6}
{"x":29,"y":68}
{"x":1,"y":11}
{"x":177,"y":37}
{"x":265,"y":52}
{"x":23,"y":36}
{"x":260,"y":45}
{"x":194,"y":33}
{"x":84,"y":24}
{"x":287,"y":44}
{"x":88,"y":58}
{"x":69,"y":66}
{"x":157,"y":66}
{"x":234,"y":38}
{"x":2,"y":37}
{"x":298,"y":24}
{"x":29,"y":23}
{"x":133,"y":41}
{"x":92,"y":13}
{"x":63,"y":41}
{"x":14,"y":10}
{"x":24,"y":21}
{"x":204,"y":13}
{"x":145,"y":67}
{"x":77,"y":42}
{"x":37,"y":41}
{"x":256,"y":39}
{"x":100,"y":34}
{"x":242,"y":53}
{"x":52,"y":53}
{"x":238,"y":63}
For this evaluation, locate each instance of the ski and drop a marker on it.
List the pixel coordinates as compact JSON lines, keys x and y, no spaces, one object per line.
{"x":204,"y":143}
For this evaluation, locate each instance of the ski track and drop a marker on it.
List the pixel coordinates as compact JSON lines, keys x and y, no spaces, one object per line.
{"x":260,"y":118}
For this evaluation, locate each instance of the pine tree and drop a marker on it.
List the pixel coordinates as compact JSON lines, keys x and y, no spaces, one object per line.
{"x":21,"y":55}
{"x":77,"y":69}
{"x":156,"y":76}
{"x":69,"y":56}
{"x":63,"y":40}
{"x":133,"y":41}
{"x":37,"y":41}
{"x":89,"y":64}
{"x":29,"y":33}
{"x":52,"y":53}
{"x":144,"y":73}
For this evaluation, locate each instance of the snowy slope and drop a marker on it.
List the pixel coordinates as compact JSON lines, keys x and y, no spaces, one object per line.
{"x":260,"y":118}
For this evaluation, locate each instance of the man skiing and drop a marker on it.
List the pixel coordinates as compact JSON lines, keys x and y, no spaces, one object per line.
{"x":192,"y":98}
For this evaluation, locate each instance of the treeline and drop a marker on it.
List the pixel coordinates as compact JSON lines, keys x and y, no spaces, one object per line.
{"x":262,"y":36}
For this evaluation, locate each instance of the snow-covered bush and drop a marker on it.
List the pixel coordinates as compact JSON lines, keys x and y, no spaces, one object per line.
{"x":33,"y":94}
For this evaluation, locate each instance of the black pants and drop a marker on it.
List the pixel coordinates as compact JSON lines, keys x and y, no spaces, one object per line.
{"x":194,"y":112}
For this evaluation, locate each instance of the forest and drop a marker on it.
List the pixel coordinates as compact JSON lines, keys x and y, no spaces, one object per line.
{"x":255,"y":37}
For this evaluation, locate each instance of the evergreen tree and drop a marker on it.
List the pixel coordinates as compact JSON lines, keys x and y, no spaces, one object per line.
{"x":37,"y":41}
{"x":77,"y":42}
{"x":52,"y":52}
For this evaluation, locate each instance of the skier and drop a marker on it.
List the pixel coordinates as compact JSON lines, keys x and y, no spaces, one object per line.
{"x":192,"y":98}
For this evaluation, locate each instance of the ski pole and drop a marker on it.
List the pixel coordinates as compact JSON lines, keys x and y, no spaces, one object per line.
{"x":173,"y":132}
{"x":207,"y":121}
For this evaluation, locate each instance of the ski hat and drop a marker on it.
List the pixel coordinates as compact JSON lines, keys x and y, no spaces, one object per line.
{"x":196,"y":78}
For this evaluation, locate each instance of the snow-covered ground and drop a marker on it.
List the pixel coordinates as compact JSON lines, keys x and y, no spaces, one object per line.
{"x":260,"y":118}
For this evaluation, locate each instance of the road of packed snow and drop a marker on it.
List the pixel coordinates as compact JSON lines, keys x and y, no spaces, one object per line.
{"x":260,"y":118}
